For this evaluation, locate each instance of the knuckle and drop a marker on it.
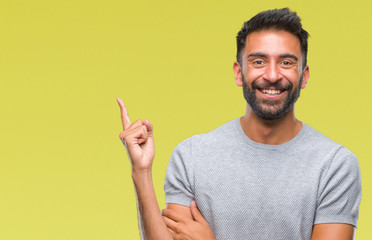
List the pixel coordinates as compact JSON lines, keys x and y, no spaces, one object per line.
{"x":125,"y":138}
{"x":121,"y":135}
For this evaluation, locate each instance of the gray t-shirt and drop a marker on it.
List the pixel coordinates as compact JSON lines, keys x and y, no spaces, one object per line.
{"x":249,"y":190}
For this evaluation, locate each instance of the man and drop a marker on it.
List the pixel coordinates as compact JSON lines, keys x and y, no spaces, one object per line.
{"x":265,"y":175}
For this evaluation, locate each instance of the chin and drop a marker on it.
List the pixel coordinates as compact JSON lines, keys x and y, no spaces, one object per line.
{"x":271,"y":115}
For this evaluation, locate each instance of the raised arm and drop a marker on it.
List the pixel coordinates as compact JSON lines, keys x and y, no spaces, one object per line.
{"x":138,"y":140}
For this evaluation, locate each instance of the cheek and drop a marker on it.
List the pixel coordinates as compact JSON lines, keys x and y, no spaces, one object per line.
{"x":291,"y":75}
{"x":253,"y":74}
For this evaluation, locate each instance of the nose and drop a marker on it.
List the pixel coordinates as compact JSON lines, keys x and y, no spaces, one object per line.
{"x":272,"y":72}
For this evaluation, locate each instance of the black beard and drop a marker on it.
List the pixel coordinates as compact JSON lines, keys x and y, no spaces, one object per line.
{"x":273,"y":109}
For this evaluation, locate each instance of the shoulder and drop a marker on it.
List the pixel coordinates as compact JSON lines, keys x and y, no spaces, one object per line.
{"x":319,"y":140}
{"x":338,"y":155}
{"x":221,"y":135}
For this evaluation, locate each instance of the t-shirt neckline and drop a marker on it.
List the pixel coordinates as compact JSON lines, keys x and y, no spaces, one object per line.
{"x":249,"y":141}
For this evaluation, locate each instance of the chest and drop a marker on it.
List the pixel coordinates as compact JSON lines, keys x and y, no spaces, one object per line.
{"x":255,"y":188}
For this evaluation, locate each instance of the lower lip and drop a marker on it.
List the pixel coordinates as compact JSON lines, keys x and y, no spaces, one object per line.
{"x":271,"y":96}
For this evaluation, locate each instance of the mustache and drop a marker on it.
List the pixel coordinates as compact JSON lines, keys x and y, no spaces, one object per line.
{"x":277,"y":85}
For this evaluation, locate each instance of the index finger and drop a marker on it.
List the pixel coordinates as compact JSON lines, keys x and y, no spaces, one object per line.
{"x":124,"y":114}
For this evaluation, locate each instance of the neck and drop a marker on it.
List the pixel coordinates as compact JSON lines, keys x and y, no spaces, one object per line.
{"x":272,"y":132}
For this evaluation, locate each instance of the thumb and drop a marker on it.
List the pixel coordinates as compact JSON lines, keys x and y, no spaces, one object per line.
{"x":196,"y":214}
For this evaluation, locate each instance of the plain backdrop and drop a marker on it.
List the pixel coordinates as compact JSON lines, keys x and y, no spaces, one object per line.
{"x":64,"y":173}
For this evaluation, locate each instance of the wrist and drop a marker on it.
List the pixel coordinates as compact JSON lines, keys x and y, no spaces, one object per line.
{"x":141,"y":174}
{"x":141,"y":171}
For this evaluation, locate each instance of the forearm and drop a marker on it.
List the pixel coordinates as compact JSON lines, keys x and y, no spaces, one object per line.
{"x":150,"y":218}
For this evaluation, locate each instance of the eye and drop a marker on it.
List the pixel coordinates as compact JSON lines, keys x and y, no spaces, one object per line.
{"x":287,"y":63}
{"x":258,"y":63}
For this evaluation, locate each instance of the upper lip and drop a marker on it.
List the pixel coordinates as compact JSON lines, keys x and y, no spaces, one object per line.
{"x":271,"y":89}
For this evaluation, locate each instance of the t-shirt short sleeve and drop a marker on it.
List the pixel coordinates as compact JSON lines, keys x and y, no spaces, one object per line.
{"x":179,"y":179}
{"x":340,"y":190}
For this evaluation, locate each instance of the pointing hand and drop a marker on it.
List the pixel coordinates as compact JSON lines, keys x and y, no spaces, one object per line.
{"x":138,"y":140}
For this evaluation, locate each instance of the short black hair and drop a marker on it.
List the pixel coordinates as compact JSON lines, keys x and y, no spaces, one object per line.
{"x":276,"y":19}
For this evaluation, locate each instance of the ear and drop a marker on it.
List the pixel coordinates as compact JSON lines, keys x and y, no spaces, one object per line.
{"x":305,"y":77}
{"x":238,"y":74}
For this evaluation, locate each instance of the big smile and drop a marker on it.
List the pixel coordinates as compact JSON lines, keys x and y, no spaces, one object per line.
{"x":271,"y":93}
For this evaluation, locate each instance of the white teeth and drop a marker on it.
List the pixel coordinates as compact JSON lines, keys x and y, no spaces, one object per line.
{"x":271,"y":91}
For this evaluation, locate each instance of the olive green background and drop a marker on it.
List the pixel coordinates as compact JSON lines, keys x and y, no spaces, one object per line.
{"x":64,"y":173}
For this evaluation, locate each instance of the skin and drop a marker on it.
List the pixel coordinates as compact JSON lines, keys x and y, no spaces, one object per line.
{"x":183,"y":222}
{"x":262,"y":61}
{"x":182,"y":227}
{"x":270,"y":56}
{"x":138,"y":140}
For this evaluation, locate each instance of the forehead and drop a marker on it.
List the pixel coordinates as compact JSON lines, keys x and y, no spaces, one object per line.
{"x":272,"y":43}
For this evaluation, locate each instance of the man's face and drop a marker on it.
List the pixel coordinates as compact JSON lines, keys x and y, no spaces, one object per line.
{"x":271,"y":72}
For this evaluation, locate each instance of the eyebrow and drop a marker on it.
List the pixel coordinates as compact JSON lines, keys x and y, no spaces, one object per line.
{"x":263,"y":55}
{"x":257,"y":54}
{"x":287,"y":55}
